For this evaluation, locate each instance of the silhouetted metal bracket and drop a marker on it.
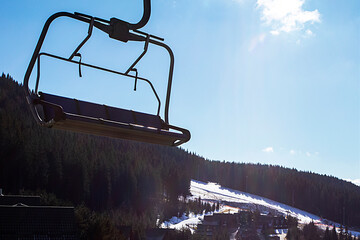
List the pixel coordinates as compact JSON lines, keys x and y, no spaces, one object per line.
{"x":79,"y":55}
{"x":136,"y":77}
{"x":91,"y":26}
{"x":141,"y":55}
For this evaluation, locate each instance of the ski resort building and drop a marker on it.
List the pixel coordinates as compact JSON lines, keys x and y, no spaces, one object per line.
{"x":23,"y":217}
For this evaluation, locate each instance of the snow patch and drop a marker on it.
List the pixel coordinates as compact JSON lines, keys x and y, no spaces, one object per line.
{"x":214,"y":192}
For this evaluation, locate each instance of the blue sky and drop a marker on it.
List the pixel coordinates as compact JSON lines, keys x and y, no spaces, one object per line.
{"x":269,"y":81}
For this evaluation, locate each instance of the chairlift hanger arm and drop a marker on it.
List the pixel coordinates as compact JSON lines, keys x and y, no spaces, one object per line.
{"x":132,"y":26}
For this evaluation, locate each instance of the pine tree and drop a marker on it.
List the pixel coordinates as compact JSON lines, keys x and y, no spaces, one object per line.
{"x":311,"y":232}
{"x":341,"y":233}
{"x":334,"y":235}
{"x":327,"y":234}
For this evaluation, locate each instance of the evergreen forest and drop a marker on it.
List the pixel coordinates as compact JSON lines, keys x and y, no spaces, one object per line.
{"x":137,"y":183}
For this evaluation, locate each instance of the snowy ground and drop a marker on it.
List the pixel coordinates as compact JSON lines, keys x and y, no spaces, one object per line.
{"x":189,"y":222}
{"x":214,"y":192}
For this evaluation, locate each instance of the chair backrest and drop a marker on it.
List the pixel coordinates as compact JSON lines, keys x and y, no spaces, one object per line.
{"x":93,"y":110}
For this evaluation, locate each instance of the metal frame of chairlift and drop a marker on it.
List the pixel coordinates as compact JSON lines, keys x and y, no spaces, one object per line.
{"x":75,"y":115}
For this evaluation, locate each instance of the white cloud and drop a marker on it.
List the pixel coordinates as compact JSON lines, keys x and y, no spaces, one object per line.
{"x":309,"y":32}
{"x":268,"y":150}
{"x":286,"y":15}
{"x":275,"y":32}
{"x":308,"y":154}
{"x":256,"y":41}
{"x":292,"y":152}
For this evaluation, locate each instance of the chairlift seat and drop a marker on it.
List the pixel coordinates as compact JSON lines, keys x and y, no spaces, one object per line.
{"x":80,"y":116}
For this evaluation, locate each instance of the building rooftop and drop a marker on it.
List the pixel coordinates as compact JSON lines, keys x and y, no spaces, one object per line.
{"x":14,"y":199}
{"x":37,"y":222}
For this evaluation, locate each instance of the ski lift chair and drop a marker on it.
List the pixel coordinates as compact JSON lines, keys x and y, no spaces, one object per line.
{"x":92,"y":118}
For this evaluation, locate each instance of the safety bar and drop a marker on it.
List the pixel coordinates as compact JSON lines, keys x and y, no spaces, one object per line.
{"x":95,"y":67}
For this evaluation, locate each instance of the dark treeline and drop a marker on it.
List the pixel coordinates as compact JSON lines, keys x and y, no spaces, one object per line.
{"x":325,"y":196}
{"x":105,"y":173}
{"x":100,"y":172}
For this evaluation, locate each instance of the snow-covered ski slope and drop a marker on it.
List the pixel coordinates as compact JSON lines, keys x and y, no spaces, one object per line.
{"x":233,"y":200}
{"x":213,"y":191}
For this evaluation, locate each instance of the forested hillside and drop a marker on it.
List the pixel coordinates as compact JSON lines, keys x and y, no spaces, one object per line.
{"x":108,"y":173}
{"x":101,"y":172}
{"x":321,"y":195}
